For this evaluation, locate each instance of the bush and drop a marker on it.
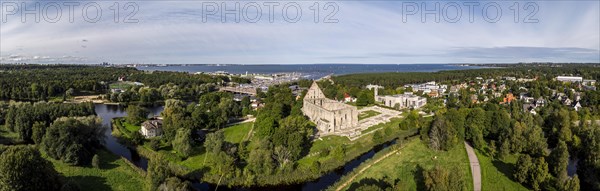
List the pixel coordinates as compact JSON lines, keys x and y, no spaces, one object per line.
{"x":137,"y":138}
{"x":154,"y":144}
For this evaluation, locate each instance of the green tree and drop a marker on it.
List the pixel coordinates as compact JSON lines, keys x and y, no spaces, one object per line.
{"x":293,"y":134}
{"x":441,"y":179}
{"x":183,"y":142}
{"x":73,"y":140}
{"x":260,"y":162}
{"x":154,"y":144}
{"x":23,"y":168}
{"x":137,"y":138}
{"x":571,"y":184}
{"x":39,"y":129}
{"x":538,"y":173}
{"x":377,"y":137}
{"x":158,"y":171}
{"x":363,"y":99}
{"x":559,"y":159}
{"x":136,"y":114}
{"x":522,"y":168}
{"x":442,"y":136}
{"x":475,"y":124}
{"x":214,"y":142}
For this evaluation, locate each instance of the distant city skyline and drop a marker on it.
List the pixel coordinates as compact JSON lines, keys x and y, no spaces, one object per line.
{"x":349,"y":32}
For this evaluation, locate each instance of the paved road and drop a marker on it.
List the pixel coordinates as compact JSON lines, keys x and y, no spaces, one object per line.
{"x":475,"y":169}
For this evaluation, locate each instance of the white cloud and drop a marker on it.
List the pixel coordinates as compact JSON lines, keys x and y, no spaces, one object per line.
{"x":367,"y":32}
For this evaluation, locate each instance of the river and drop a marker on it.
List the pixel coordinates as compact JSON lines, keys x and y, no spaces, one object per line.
{"x":107,"y":113}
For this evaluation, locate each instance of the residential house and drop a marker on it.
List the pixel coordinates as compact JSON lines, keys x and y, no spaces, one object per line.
{"x":152,"y":128}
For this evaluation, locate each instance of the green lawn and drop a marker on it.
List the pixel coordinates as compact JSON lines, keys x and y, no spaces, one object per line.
{"x":402,"y":166}
{"x":114,"y":174}
{"x":367,"y":114}
{"x":124,"y":128}
{"x":122,"y":85}
{"x":237,"y":133}
{"x":496,"y":175}
{"x":394,"y":122}
{"x":130,"y":127}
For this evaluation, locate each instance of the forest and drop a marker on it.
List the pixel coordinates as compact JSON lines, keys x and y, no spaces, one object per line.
{"x":45,"y":82}
{"x":587,"y":71}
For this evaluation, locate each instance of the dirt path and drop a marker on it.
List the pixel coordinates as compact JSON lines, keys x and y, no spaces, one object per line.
{"x":475,"y":168}
{"x":365,"y":168}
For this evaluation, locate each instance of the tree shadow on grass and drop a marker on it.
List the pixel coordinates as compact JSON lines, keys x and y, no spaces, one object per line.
{"x":107,"y":160}
{"x":90,"y":182}
{"x":197,"y":174}
{"x":419,"y":178}
{"x":504,"y":168}
{"x":369,"y":182}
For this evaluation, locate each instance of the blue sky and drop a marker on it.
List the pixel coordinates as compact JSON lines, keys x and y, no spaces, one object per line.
{"x":173,"y":32}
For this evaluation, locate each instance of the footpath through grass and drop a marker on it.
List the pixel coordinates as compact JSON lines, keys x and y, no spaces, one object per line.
{"x":237,"y":133}
{"x":114,"y":174}
{"x":401,"y":168}
{"x":496,"y":174}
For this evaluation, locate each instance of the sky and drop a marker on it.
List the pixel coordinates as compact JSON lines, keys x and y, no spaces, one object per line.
{"x":272,"y":32}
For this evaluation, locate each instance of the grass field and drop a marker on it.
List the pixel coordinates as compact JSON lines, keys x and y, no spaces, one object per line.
{"x":496,"y":175}
{"x":114,"y":174}
{"x":237,"y":133}
{"x":124,"y":128}
{"x":367,"y":114}
{"x":402,"y":166}
{"x":122,"y":85}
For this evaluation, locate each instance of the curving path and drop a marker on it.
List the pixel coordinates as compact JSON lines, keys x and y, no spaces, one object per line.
{"x":475,"y":169}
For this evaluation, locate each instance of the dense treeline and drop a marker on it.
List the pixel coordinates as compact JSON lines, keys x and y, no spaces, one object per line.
{"x":74,"y":140}
{"x":40,"y":82}
{"x":402,"y":78}
{"x":545,"y":142}
{"x":30,"y":120}
{"x":43,"y":82}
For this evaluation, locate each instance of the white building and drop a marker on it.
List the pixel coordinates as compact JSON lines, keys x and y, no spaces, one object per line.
{"x":428,"y":87}
{"x":400,"y":101}
{"x":569,"y":78}
{"x":152,"y":128}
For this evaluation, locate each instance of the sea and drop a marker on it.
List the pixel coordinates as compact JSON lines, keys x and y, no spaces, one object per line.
{"x":309,"y":71}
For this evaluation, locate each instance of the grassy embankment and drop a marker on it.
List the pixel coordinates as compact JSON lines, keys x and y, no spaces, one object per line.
{"x":114,"y":174}
{"x":403,"y":167}
{"x":497,"y":174}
